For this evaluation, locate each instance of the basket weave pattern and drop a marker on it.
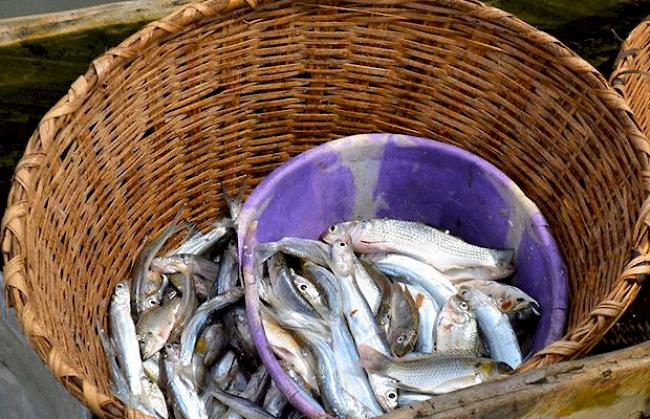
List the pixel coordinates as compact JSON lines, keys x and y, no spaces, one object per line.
{"x":221,"y":92}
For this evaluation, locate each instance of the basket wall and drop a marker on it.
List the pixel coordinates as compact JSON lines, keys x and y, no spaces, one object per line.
{"x":212,"y":97}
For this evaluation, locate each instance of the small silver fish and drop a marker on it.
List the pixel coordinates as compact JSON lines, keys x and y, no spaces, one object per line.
{"x":411,"y":271}
{"x":241,"y":339}
{"x":309,"y":250}
{"x":211,"y":343}
{"x":151,"y":368}
{"x":310,"y":293}
{"x":427,"y":312}
{"x":254,"y":391}
{"x":434,"y":373}
{"x":200,"y":243}
{"x":242,"y":406}
{"x":494,"y":325}
{"x":203,"y":271}
{"x":274,"y":401}
{"x":404,"y":321}
{"x":228,"y":276}
{"x":510,"y":300}
{"x":191,"y":332}
{"x":456,"y":328}
{"x":432,"y":246}
{"x":146,"y":286}
{"x":185,"y":398}
{"x":155,"y":326}
{"x":188,"y":305}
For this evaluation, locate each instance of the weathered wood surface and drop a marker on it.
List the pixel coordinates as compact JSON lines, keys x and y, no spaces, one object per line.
{"x":27,"y":388}
{"x":614,"y":385}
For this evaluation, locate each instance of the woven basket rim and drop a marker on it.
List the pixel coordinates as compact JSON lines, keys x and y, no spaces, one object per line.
{"x":15,"y":221}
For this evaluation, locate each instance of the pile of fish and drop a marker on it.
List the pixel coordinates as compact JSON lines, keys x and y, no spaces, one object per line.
{"x":179,"y":344}
{"x":382,"y":313}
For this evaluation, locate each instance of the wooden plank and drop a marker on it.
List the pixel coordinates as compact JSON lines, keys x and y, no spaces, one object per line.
{"x":28,"y":28}
{"x":613,"y":385}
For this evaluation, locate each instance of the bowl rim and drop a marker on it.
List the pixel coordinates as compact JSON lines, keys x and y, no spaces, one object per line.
{"x":255,"y":206}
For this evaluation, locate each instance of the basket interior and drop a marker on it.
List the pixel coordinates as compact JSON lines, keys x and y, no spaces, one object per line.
{"x":227,"y":99}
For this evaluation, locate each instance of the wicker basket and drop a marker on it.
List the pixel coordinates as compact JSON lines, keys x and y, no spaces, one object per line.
{"x":219,"y":93}
{"x":631,"y":78}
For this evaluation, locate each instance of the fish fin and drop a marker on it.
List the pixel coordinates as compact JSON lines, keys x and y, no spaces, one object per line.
{"x":372,"y":360}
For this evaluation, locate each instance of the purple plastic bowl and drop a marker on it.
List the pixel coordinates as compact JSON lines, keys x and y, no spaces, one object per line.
{"x":407,"y":178}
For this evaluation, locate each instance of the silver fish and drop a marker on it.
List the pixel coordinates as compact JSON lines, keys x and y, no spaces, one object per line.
{"x":156,"y":397}
{"x":188,"y":305}
{"x":254,"y":391}
{"x":145,"y":292}
{"x":242,"y":406}
{"x":433,"y":373}
{"x":119,"y":386}
{"x":125,"y":339}
{"x":406,"y":398}
{"x":238,"y":383}
{"x":427,"y":244}
{"x":404,"y":321}
{"x":203,"y":271}
{"x":200,"y":243}
{"x":274,"y":401}
{"x":184,"y":396}
{"x":309,"y":250}
{"x":428,"y":311}
{"x":414,"y":272}
{"x":190,"y":333}
{"x":241,"y":339}
{"x":361,"y":319}
{"x":456,"y":328}
{"x":283,"y":288}
{"x":510,"y":300}
{"x":310,"y":293}
{"x":228,"y":276}
{"x":211,"y":343}
{"x":151,"y":368}
{"x":219,"y":376}
{"x":285,"y":347}
{"x":155,"y":326}
{"x":367,"y":286}
{"x":500,"y":339}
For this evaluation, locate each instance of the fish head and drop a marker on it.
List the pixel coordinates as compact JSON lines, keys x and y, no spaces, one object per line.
{"x":473,"y":297}
{"x":334,"y":233}
{"x":148,"y":343}
{"x":342,"y":256}
{"x":489,"y":369}
{"x":122,"y":294}
{"x":402,"y":341}
{"x":387,"y":394}
{"x":306,"y":288}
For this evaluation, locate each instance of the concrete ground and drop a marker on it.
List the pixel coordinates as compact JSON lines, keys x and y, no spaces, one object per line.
{"x":27,"y":388}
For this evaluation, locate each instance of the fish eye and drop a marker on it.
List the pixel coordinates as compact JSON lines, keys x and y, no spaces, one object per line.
{"x":392,"y":395}
{"x":332,"y":229}
{"x":400,"y":339}
{"x":119,"y":286}
{"x":303,"y":287}
{"x":341,"y":244}
{"x":520,"y":300}
{"x":463,"y":305}
{"x":464,"y":292}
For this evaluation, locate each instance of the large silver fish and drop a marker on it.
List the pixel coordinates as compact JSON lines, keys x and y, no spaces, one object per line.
{"x":499,"y":337}
{"x":456,"y":328}
{"x":360,"y":318}
{"x":433,"y":373}
{"x":437,"y":248}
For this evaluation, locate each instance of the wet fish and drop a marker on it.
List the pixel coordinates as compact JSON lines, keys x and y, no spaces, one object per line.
{"x":404,"y":321}
{"x":406,"y":398}
{"x":243,"y":406}
{"x":220,"y":376}
{"x":385,"y":289}
{"x":361,"y":319}
{"x":309,"y":250}
{"x":156,"y":397}
{"x":241,"y":339}
{"x":191,"y":332}
{"x":254,"y":391}
{"x":188,"y":305}
{"x":200,"y":243}
{"x":119,"y":386}
{"x":433,"y":373}
{"x":155,"y":326}
{"x":145,"y":286}
{"x":499,"y":337}
{"x":420,"y":241}
{"x":287,"y":348}
{"x":185,"y":399}
{"x":211,"y":343}
{"x":283,"y":288}
{"x":456,"y":328}
{"x":151,"y":368}
{"x":427,"y":312}
{"x":125,"y":340}
{"x":203,"y":271}
{"x":367,"y":286}
{"x":274,"y":401}
{"x":510,"y":300}
{"x":310,"y":293}
{"x":414,"y":272}
{"x":228,"y":276}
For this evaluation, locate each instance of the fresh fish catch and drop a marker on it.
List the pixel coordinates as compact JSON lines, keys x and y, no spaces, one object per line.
{"x":379,"y":314}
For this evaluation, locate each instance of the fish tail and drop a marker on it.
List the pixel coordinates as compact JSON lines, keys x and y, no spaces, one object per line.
{"x":372,"y":360}
{"x":503,"y":258}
